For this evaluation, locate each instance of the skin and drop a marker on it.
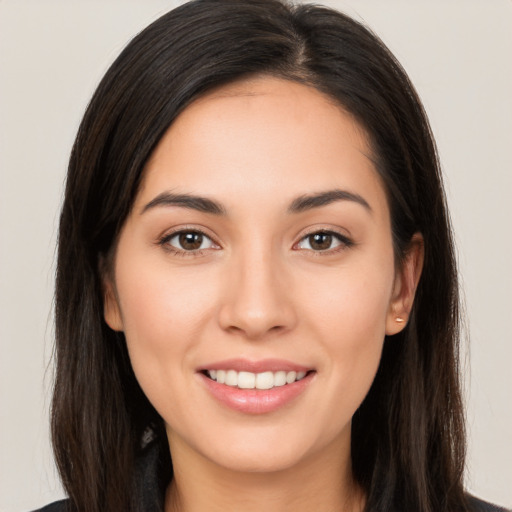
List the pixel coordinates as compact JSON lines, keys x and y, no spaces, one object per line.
{"x":259,"y":289}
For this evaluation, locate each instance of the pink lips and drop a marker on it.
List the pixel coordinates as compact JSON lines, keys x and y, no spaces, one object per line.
{"x":256,"y":401}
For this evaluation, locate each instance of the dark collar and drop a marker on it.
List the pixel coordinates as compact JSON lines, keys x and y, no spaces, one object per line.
{"x":153,"y":472}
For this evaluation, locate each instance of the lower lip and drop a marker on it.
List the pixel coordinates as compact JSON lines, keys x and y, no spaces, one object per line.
{"x":257,"y":401}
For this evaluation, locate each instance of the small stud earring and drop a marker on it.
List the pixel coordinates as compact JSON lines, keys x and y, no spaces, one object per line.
{"x":399,"y":319}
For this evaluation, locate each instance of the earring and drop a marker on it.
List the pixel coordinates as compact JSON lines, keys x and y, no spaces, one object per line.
{"x":399,"y":319}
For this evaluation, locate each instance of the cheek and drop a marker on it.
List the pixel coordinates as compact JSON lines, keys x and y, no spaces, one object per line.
{"x":352,"y":326}
{"x":348,"y":315}
{"x":163,"y":314}
{"x":351,"y":303}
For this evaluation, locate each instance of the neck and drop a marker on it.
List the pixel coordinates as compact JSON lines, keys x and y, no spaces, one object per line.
{"x":322,"y":482}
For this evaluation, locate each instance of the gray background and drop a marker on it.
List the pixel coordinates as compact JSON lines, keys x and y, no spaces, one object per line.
{"x":53,"y":53}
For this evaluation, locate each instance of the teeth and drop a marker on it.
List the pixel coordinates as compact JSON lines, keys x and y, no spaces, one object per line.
{"x":290,"y":377}
{"x":265,"y":380}
{"x":231,"y":378}
{"x":248,"y":380}
{"x":279,"y":378}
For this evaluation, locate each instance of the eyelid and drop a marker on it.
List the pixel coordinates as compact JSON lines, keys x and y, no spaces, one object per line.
{"x":345,"y":240}
{"x":163,"y":240}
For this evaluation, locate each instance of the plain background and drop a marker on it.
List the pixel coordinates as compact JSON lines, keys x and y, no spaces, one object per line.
{"x":52,"y":55}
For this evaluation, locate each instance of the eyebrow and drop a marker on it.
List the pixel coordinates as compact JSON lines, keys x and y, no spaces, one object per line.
{"x":202,"y":204}
{"x":298,"y":205}
{"x":310,"y":201}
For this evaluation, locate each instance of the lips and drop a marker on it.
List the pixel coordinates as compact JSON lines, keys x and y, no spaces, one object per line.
{"x":256,"y":387}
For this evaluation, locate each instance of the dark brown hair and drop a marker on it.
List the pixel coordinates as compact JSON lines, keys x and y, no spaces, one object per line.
{"x":408,"y":434}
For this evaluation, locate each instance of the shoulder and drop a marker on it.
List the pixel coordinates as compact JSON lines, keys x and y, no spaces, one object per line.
{"x":483,"y":506}
{"x":57,"y":506}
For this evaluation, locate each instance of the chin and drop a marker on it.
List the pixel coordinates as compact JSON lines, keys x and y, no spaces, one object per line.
{"x":265,"y":449}
{"x":249,"y":460}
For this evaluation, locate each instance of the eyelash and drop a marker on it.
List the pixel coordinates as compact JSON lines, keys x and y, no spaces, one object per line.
{"x":164,"y":242}
{"x":345,"y":242}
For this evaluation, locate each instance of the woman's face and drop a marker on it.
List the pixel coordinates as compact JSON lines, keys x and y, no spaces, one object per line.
{"x":258,"y":249}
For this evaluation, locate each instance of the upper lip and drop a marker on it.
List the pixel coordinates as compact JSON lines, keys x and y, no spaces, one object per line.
{"x":263,"y":365}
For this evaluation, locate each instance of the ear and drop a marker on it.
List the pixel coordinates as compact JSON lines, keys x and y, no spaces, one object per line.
{"x":111,"y":309}
{"x":404,"y":289}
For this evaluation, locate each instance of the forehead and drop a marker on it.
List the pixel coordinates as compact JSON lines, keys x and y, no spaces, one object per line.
{"x":264,"y":137}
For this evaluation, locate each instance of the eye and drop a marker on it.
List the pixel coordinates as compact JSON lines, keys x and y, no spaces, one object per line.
{"x":323,"y":241}
{"x":188,"y":241}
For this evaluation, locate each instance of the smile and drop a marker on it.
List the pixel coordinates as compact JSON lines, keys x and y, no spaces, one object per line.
{"x":249,"y":380}
{"x":256,"y":387}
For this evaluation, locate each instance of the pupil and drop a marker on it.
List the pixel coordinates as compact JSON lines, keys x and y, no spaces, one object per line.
{"x":321,"y":241}
{"x":191,"y":241}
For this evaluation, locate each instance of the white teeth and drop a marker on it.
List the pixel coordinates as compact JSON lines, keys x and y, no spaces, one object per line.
{"x":248,"y":380}
{"x":279,"y":378}
{"x":231,"y":378}
{"x":265,"y":380}
{"x":290,"y":377}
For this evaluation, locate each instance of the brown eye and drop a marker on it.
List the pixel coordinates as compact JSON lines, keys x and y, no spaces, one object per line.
{"x":324,"y":241}
{"x":320,"y":241}
{"x":188,"y":241}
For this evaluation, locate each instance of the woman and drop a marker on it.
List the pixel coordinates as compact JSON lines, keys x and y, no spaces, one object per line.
{"x":256,"y":290}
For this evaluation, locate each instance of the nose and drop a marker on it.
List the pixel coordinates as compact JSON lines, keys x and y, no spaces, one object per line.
{"x":258,"y":298}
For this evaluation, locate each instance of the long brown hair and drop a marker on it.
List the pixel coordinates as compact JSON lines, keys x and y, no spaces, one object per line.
{"x":408,"y":434}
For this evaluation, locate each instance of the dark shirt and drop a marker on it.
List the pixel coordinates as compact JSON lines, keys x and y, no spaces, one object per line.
{"x":476,"y":504}
{"x":151,"y":496}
